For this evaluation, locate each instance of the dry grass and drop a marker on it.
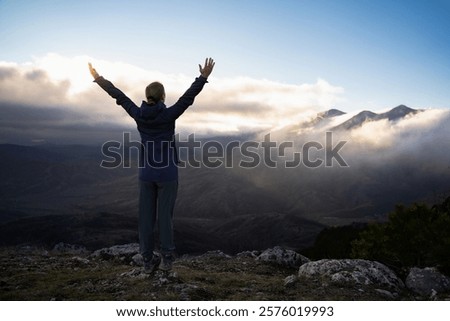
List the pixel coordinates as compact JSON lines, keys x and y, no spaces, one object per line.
{"x":35,"y":274}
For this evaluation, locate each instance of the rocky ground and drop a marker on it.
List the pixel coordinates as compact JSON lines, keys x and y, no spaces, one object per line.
{"x":73,"y":273}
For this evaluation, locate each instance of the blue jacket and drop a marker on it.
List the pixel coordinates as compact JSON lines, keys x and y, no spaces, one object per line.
{"x":156,"y":124}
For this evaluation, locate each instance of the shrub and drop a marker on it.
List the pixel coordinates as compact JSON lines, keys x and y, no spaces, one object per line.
{"x":334,"y":242}
{"x":412,"y":236}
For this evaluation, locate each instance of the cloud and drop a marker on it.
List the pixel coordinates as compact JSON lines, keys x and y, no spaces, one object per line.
{"x":410,"y":132}
{"x":417,"y":143}
{"x":269,"y":104}
{"x":30,"y":86}
{"x":25,"y":124}
{"x":54,"y":97}
{"x":230,"y":105}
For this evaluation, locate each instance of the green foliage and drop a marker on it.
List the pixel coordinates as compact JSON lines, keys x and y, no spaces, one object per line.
{"x":412,"y":236}
{"x":334,"y":242}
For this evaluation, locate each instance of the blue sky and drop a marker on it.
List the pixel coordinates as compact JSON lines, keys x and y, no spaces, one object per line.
{"x":382,"y":53}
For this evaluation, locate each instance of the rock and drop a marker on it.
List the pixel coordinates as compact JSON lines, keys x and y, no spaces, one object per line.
{"x":361,"y":272}
{"x":163,"y":278}
{"x":185,"y":291}
{"x":135,"y":274}
{"x":249,"y":254}
{"x":123,"y":252}
{"x":137,"y":259}
{"x":80,"y":261}
{"x":284,"y":257}
{"x":290,"y":281}
{"x":192,"y":292}
{"x":386,"y":293}
{"x":214,"y":255}
{"x":424,"y":281}
{"x":433,"y":295}
{"x":65,"y":248}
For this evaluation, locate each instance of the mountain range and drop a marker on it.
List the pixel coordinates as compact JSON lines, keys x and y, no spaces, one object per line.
{"x":323,"y":118}
{"x":59,"y":193}
{"x":358,"y":120}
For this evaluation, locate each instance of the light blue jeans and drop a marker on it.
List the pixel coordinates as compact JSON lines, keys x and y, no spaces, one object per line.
{"x":156,"y":204}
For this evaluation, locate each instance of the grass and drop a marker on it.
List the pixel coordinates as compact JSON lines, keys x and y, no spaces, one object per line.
{"x":38,"y":275}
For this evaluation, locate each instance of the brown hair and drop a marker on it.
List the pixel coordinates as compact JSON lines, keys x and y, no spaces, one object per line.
{"x":154,"y":92}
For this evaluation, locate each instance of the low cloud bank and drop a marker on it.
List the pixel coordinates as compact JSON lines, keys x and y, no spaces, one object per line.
{"x":55,"y":92}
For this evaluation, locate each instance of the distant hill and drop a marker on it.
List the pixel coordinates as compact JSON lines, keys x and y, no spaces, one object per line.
{"x":59,"y":193}
{"x":357,"y":120}
{"x":398,"y":113}
{"x":322,"y":120}
{"x":366,"y":116}
{"x":192,"y":235}
{"x":330,"y":113}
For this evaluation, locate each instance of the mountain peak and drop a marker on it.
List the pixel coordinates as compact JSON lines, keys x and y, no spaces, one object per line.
{"x":330,"y":113}
{"x":402,"y":107}
{"x":357,"y":120}
{"x":397,"y":113}
{"x":366,"y":113}
{"x":394,"y":114}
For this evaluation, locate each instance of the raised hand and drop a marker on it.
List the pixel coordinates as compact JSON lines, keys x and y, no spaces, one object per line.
{"x":207,"y":69}
{"x":93,"y":72}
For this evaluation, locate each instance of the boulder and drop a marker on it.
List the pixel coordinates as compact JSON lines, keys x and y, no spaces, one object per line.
{"x":427,"y":281}
{"x":123,"y":252}
{"x":281,"y":256}
{"x":360,"y":272}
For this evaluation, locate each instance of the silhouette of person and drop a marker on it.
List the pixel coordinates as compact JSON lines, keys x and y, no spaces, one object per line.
{"x":158,"y":172}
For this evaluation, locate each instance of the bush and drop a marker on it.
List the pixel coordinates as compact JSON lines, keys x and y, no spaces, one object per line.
{"x":415,"y":236}
{"x":334,"y":242}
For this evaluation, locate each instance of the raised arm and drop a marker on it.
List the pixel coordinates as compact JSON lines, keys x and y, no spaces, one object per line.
{"x":93,"y":72}
{"x":121,"y":99}
{"x":206,"y":70}
{"x":188,"y":97}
